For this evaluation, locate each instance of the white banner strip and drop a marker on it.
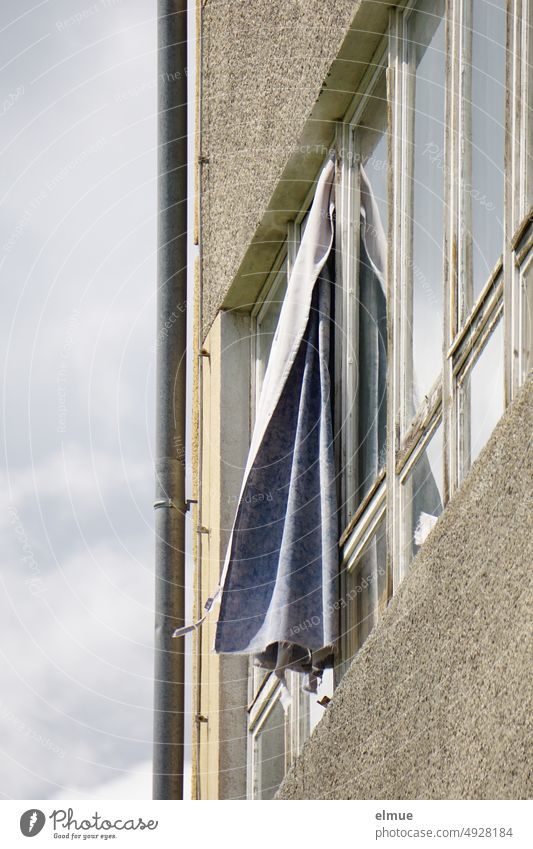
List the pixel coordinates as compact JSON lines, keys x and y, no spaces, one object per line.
{"x":354,"y":824}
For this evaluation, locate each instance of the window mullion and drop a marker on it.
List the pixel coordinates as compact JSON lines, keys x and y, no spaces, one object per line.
{"x":517,"y":188}
{"x":395,"y":84}
{"x":512,"y":186}
{"x":465,"y":243}
{"x":450,"y":301}
{"x":347,"y":241}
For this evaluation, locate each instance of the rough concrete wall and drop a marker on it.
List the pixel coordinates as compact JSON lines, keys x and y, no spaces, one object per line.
{"x":263,"y":63}
{"x":438,"y":702}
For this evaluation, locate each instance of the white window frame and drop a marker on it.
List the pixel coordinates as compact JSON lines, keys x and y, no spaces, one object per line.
{"x":519,"y":195}
{"x":359,"y":521}
{"x":267,"y":295}
{"x":258,"y":712}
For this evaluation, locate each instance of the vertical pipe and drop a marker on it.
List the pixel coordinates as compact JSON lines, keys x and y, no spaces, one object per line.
{"x":170,"y":411}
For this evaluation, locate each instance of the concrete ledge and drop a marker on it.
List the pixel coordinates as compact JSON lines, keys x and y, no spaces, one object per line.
{"x":277,"y":75}
{"x":437,"y":705}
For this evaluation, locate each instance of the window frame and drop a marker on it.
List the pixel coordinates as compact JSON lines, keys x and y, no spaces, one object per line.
{"x":463,"y":343}
{"x":261,"y":306}
{"x":264,"y":687}
{"x":358,"y":521}
{"x":258,"y":712}
{"x":501,"y":299}
{"x":519,"y":189}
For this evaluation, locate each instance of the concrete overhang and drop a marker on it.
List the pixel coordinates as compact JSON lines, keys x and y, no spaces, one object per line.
{"x":360,"y":43}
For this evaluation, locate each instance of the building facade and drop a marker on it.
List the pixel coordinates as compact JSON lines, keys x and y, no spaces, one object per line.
{"x":422,"y":110}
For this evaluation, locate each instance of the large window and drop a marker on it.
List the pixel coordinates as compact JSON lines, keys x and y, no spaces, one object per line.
{"x":482,"y":144}
{"x":276,"y":733}
{"x":433,"y":300}
{"x":455,"y":268}
{"x":266,"y":315}
{"x":363,"y":225}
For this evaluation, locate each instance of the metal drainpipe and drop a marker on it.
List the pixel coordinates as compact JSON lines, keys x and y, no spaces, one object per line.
{"x":199,"y":514}
{"x":169,"y":725}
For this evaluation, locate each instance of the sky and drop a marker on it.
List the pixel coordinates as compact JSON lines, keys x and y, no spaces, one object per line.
{"x":78,"y":282}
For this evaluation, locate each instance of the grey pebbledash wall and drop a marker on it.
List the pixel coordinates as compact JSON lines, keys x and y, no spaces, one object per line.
{"x":437,"y":704}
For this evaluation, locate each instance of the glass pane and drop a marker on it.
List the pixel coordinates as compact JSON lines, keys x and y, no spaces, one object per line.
{"x":482,"y":398}
{"x":529,"y":113}
{"x":303,"y":224}
{"x":422,"y":498}
{"x":257,"y":675}
{"x":484,"y":138}
{"x":425,"y":210}
{"x":371,"y":323}
{"x":325,"y":688}
{"x":373,"y":149}
{"x":366,"y":591}
{"x":267,"y":322}
{"x":527,"y":320}
{"x":270,"y":753}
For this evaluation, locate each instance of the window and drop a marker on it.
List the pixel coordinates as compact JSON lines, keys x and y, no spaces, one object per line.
{"x":276,"y":734}
{"x":523,"y":21}
{"x":266,"y":320}
{"x":362,"y":227}
{"x":445,"y":203}
{"x":371,"y":301}
{"x":366,"y":591}
{"x":483,"y":60}
{"x":521,"y":297}
{"x":434,"y":292}
{"x":481,"y":399}
{"x":423,"y":202}
{"x":526,"y":328}
{"x":421,"y":493}
{"x":269,"y":748}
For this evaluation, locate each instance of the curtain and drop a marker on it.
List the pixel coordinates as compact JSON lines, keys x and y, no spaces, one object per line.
{"x":279,"y":584}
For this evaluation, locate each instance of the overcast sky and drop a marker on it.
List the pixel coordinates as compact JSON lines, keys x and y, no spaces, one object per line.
{"x":77,"y":270}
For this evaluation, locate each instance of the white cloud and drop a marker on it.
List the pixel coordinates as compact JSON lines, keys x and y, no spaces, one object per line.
{"x":133,"y":784}
{"x":76,"y":566}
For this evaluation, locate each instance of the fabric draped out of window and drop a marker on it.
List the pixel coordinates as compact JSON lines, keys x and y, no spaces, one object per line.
{"x":279,"y":585}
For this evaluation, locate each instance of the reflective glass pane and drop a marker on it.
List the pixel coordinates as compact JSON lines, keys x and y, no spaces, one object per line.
{"x":483,"y":142}
{"x":371,"y":322}
{"x":425,"y":201}
{"x":422,"y":498}
{"x":527,"y":320}
{"x":267,"y":322}
{"x":365,"y":591}
{"x":373,"y":148}
{"x":270,"y":753}
{"x":482,"y":398}
{"x":529,"y":114}
{"x":325,"y":688}
{"x":303,"y":224}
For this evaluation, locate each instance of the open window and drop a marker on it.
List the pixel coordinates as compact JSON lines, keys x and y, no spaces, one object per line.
{"x":433,"y":306}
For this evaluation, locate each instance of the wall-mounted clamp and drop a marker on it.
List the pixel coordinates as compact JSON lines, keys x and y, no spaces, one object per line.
{"x":167,"y":502}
